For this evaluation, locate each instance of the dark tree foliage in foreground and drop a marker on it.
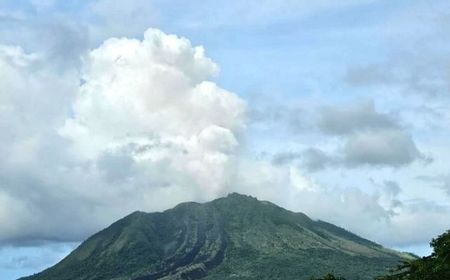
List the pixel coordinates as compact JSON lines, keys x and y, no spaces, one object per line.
{"x":433,"y":267}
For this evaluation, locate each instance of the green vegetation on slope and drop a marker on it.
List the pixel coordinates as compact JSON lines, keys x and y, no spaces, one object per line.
{"x":237,"y":237}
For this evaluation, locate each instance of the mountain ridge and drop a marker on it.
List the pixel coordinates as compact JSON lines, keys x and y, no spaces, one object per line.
{"x":233,"y":237}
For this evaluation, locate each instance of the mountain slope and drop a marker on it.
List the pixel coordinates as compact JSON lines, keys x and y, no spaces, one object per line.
{"x":236,"y":237}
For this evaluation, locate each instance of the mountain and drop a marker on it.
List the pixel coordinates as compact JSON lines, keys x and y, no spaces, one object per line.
{"x":235,"y":237}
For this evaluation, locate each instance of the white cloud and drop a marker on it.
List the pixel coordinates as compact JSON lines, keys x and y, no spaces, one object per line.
{"x":145,"y":130}
{"x":342,"y":120}
{"x":385,"y":147}
{"x":362,"y":136}
{"x":153,"y":97}
{"x":145,"y":124}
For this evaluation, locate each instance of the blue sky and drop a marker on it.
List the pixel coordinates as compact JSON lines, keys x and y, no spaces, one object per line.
{"x":336,"y":109}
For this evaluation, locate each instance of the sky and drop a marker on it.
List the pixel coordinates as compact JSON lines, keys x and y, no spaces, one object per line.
{"x":338,"y":109}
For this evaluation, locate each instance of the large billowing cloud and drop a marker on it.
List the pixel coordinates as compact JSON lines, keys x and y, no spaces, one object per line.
{"x":143,"y":126}
{"x":151,"y":99}
{"x":146,"y":129}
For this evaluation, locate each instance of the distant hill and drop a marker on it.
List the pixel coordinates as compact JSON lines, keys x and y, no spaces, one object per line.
{"x":236,"y":237}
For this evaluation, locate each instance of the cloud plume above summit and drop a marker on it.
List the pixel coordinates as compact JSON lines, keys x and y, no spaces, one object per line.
{"x":145,"y":126}
{"x":108,"y":107}
{"x":152,"y":100}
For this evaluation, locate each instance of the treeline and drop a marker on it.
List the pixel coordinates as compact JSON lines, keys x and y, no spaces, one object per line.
{"x":433,"y":267}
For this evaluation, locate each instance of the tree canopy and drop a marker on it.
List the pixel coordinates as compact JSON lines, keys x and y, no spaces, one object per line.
{"x":433,"y":267}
